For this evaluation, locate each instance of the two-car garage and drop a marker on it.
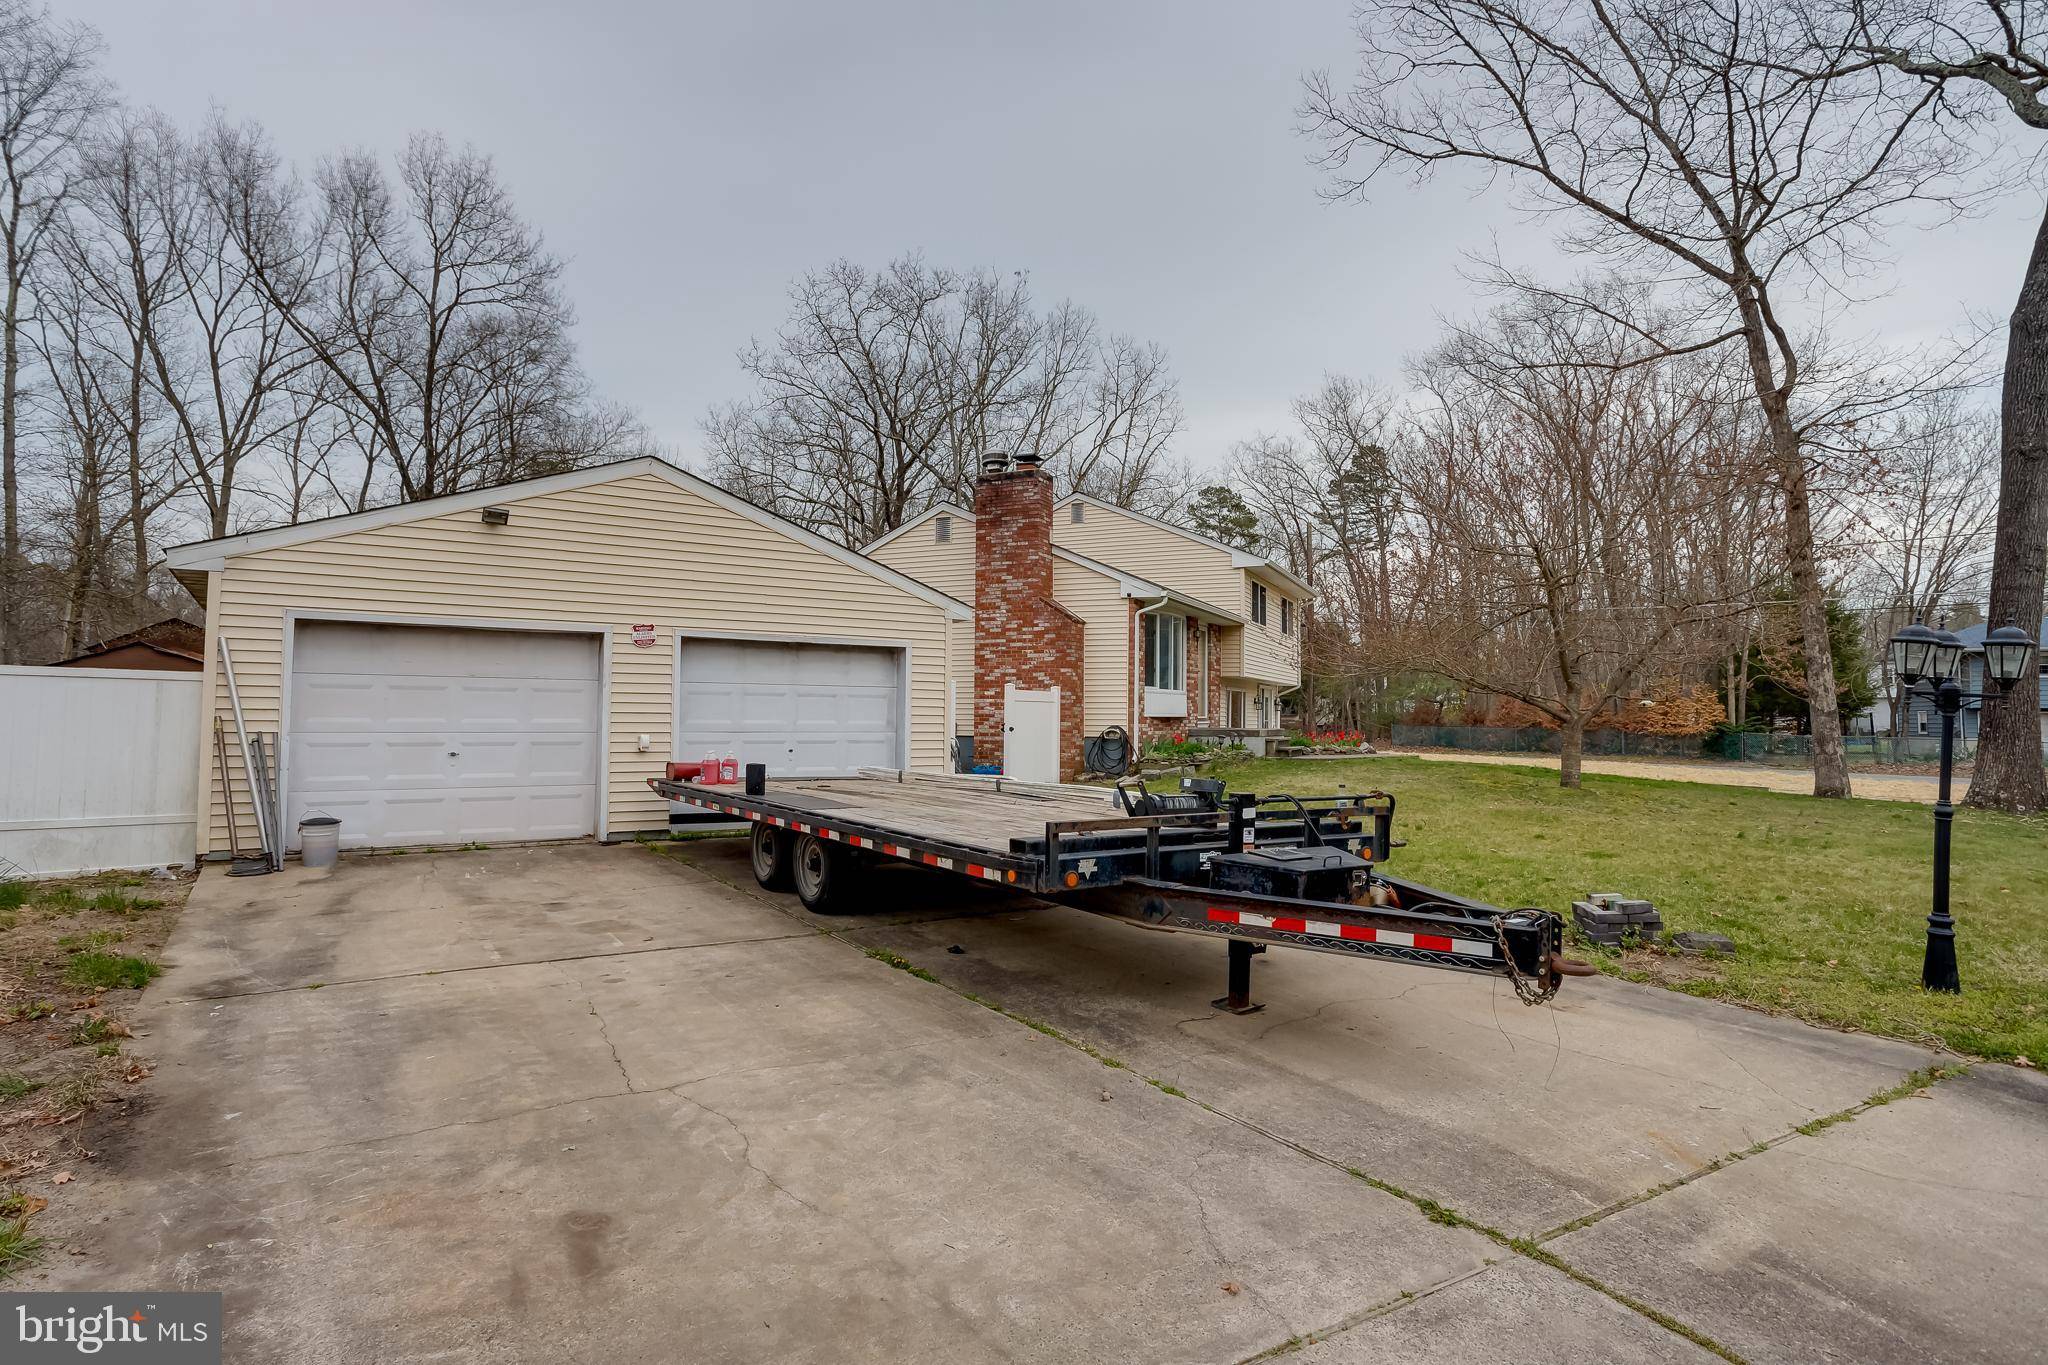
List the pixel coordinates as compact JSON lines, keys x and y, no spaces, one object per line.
{"x":514,"y":663}
{"x":435,"y":734}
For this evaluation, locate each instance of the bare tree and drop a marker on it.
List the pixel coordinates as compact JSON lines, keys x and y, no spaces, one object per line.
{"x":1921,"y":536}
{"x":1559,"y":507}
{"x":433,"y":308}
{"x":50,"y":91}
{"x":884,"y":388}
{"x":119,"y":257}
{"x":1688,"y":142}
{"x":1326,"y":504}
{"x":85,"y":403}
{"x":1998,"y":50}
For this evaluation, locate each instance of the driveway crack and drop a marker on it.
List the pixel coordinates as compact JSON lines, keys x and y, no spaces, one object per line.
{"x":604,"y":1032}
{"x":747,"y":1150}
{"x":603,"y":1029}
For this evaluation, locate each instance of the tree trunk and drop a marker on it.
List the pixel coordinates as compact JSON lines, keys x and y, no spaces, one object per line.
{"x":1571,"y":750}
{"x":1830,"y":765}
{"x":10,"y":486}
{"x":2009,"y":773}
{"x":138,"y":521}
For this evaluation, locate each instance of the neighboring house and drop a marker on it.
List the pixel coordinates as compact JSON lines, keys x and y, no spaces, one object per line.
{"x":1136,"y":623}
{"x":171,"y":645}
{"x":1923,"y":719}
{"x":515,"y":662}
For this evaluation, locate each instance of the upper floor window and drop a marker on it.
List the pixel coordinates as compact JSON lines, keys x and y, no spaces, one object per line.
{"x":1166,"y":652}
{"x":942,"y":528}
{"x":1259,"y":603}
{"x":1287,"y":616}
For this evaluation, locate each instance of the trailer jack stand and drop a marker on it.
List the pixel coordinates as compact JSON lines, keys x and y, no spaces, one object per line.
{"x":1238,"y":1000}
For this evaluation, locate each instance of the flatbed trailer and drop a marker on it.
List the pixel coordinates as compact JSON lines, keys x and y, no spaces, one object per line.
{"x":1254,"y":871}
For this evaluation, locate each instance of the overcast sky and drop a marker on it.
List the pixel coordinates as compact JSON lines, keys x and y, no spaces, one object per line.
{"x":1140,"y":158}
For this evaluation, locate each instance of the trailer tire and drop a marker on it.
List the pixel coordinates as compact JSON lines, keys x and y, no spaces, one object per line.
{"x":821,"y":871}
{"x":768,"y":848}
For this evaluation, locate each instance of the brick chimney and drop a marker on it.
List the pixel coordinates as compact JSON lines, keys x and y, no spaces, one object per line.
{"x":1021,"y":635}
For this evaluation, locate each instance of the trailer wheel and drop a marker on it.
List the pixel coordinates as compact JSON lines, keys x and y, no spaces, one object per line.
{"x":770,"y":849}
{"x":820,"y":870}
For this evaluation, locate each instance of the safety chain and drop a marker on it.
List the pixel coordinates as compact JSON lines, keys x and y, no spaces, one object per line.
{"x":1528,"y":991}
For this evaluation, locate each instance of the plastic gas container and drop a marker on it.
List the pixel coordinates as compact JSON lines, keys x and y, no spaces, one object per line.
{"x":729,"y":769}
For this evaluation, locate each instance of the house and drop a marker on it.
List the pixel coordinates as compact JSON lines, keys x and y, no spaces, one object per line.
{"x":1130,"y":620}
{"x":513,"y":663}
{"x":1923,"y":719}
{"x":172,"y":645}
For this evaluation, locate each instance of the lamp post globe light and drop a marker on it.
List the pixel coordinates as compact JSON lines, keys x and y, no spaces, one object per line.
{"x":1926,"y":661}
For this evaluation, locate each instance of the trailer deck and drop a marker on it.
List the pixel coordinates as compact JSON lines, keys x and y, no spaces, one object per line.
{"x":1255,"y":871}
{"x":989,"y":816}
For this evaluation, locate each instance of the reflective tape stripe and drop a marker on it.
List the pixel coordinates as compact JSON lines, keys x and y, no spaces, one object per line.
{"x":1357,"y":933}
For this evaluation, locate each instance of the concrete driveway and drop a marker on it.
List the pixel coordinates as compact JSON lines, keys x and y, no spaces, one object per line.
{"x":616,"y":1104}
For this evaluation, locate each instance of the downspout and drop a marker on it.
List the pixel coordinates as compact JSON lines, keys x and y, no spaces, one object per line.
{"x":1138,"y":672}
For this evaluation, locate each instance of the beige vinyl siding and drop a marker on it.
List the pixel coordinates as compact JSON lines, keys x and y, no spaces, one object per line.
{"x":962,"y":675}
{"x":1139,"y":547}
{"x":634,"y":550}
{"x":946,"y":565}
{"x":1105,"y":643}
{"x":1257,"y":651}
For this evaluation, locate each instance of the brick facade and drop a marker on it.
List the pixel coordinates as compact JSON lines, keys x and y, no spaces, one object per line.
{"x":1204,"y":676}
{"x":1021,"y":635}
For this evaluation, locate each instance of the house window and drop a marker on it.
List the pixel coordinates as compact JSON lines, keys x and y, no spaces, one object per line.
{"x":1075,"y":514}
{"x":1286,"y":616}
{"x":942,"y":529}
{"x":1920,"y":723}
{"x":1259,"y":603}
{"x":1166,"y":653}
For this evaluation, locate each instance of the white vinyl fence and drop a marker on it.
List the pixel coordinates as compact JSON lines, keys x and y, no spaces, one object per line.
{"x":99,"y":769}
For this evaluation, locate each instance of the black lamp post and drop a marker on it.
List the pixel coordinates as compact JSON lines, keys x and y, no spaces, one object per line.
{"x":1929,"y":658}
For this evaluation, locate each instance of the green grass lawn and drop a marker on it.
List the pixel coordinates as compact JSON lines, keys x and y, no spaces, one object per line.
{"x":1826,"y":900}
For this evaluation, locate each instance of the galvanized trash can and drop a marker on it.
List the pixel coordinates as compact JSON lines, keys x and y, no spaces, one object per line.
{"x":319,"y":840}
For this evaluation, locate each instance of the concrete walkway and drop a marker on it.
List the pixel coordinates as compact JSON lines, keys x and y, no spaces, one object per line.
{"x":1876,"y":786}
{"x":619,"y":1105}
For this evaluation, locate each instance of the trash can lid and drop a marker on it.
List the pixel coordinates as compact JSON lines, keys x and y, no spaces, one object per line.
{"x":318,"y":820}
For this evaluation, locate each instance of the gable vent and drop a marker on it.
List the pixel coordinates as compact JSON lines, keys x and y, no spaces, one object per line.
{"x":942,"y":529}
{"x":1077,"y":513}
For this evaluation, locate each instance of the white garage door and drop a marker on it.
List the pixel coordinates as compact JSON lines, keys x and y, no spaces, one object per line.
{"x":423,"y":735}
{"x":804,"y":710}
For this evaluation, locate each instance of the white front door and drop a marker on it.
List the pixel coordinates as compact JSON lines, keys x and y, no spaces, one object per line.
{"x":1031,"y":733}
{"x":426,"y":735}
{"x":804,"y":710}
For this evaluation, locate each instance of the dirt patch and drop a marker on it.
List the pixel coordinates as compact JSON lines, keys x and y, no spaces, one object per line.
{"x":74,"y":957}
{"x":1668,"y":967}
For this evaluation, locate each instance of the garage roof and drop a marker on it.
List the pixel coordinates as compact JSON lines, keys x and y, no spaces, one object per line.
{"x":189,"y":563}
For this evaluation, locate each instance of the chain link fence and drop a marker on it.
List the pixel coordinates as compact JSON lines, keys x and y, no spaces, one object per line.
{"x":1788,"y":750}
{"x":1504,"y":739}
{"x":1797,"y":750}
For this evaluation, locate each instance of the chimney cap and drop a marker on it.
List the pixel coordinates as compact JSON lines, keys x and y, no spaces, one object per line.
{"x":995,"y":464}
{"x":1029,"y":462}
